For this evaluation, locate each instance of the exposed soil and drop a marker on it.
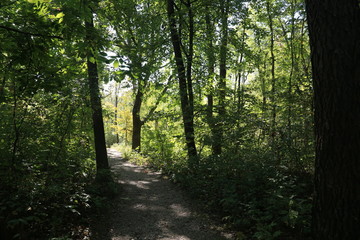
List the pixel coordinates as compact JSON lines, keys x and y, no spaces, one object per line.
{"x":151,"y":208}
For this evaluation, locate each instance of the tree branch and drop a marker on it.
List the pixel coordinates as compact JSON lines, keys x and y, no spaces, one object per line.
{"x":6,"y":5}
{"x":31,"y":34}
{"x":152,"y":110}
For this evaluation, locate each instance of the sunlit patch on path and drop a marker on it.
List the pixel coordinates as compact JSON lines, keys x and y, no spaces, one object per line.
{"x":150,"y":208}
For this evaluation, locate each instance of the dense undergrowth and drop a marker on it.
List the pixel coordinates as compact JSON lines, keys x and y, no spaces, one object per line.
{"x":38,"y":209}
{"x":57,"y":205}
{"x":47,"y":168}
{"x":251,"y":195}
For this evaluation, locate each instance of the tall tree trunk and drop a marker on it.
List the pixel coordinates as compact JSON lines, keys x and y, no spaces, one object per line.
{"x":334,"y":28}
{"x":137,"y":123}
{"x":211,"y":74}
{"x":264,"y":94}
{"x":95,"y":101}
{"x":224,"y":5}
{"x":126,"y":132}
{"x":292,"y":70}
{"x":184,"y":97}
{"x":189,"y":57}
{"x":239,"y":91}
{"x":2,"y":89}
{"x":117,"y":86}
{"x":273,"y":80}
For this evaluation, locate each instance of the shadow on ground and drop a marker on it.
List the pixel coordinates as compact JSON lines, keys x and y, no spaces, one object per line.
{"x":150,"y":208}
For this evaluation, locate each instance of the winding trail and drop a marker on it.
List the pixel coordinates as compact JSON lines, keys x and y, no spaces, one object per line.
{"x":151,"y":208}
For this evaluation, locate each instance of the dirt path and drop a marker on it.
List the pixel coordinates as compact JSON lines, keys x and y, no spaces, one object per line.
{"x":150,"y":208}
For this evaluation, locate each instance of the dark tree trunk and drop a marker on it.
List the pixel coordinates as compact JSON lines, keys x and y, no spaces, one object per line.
{"x":137,"y":123}
{"x":293,"y":70}
{"x":117,"y":86}
{"x":273,"y":80}
{"x":183,"y":87}
{"x":217,"y":147}
{"x":264,"y":98}
{"x":2,"y":89}
{"x":210,"y":29}
{"x":334,"y":28}
{"x":95,"y":101}
{"x":126,"y":132}
{"x":189,"y":58}
{"x":240,"y":81}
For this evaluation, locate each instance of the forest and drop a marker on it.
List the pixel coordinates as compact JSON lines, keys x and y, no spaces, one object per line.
{"x":250,"y":106}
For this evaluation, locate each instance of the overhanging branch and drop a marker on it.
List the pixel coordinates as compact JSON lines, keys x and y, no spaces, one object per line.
{"x":31,"y":34}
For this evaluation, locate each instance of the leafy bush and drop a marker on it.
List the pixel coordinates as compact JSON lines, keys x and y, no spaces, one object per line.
{"x":125,"y":150}
{"x":249,"y":192}
{"x":47,"y":164}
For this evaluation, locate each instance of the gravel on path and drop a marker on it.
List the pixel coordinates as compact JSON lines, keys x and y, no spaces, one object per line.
{"x":151,"y":208}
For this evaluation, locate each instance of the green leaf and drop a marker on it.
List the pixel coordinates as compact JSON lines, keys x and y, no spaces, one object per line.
{"x":38,"y":1}
{"x":92,"y":59}
{"x":60,"y":15}
{"x":116,"y":64}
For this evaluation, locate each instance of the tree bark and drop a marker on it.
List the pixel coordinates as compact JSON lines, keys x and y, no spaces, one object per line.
{"x":219,"y":129}
{"x":117,"y":86}
{"x":126,"y":132}
{"x":292,"y":72}
{"x":184,"y":95}
{"x":95,"y":101}
{"x":137,"y":123}
{"x":334,"y":28}
{"x":189,"y":58}
{"x":241,"y":76}
{"x":210,"y":29}
{"x":2,"y":89}
{"x":273,"y":80}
